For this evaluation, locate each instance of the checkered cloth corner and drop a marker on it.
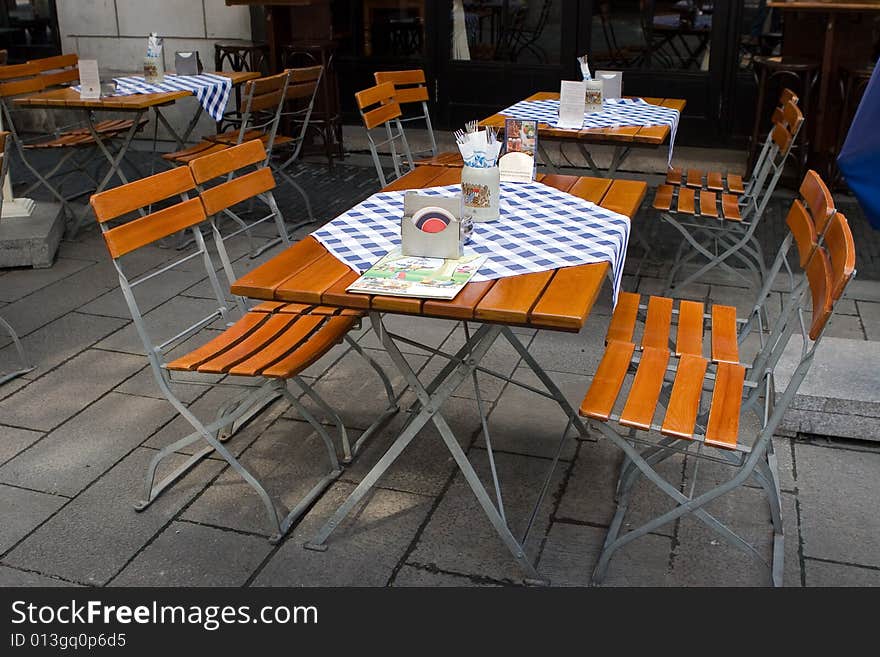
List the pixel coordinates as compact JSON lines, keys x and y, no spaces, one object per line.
{"x":615,"y":113}
{"x":541,"y":228}
{"x":212,"y":91}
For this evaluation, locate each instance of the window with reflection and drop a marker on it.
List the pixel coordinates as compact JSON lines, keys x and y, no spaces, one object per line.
{"x":523,"y":31}
{"x":381,"y":28}
{"x":655,"y":34}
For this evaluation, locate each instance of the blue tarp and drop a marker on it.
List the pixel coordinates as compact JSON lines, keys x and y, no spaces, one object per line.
{"x":859,"y":159}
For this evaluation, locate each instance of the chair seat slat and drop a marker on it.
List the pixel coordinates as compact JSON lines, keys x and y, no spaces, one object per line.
{"x":657,"y":323}
{"x":663,"y":197}
{"x":722,"y":429}
{"x":316,"y":346}
{"x":684,"y":401}
{"x":641,"y":404}
{"x":623,"y":320}
{"x":725,"y":348}
{"x":689,"y":339}
{"x":686,"y":200}
{"x":600,"y":398}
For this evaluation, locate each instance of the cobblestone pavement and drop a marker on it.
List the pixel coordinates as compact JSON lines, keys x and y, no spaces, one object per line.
{"x":77,"y":432}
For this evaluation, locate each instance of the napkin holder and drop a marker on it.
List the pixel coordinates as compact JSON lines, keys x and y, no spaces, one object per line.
{"x":187,"y":63}
{"x":612,"y":83}
{"x":447,"y":243}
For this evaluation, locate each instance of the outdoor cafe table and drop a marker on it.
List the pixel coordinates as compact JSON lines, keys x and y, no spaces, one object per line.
{"x":136,"y":104}
{"x":622,"y":138}
{"x":558,"y":300}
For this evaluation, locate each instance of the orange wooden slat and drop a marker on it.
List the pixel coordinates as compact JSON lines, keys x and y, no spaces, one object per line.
{"x":599,"y":400}
{"x":559,"y":181}
{"x":309,"y":285}
{"x":381,"y":115}
{"x":381,"y":93}
{"x":462,"y":306}
{"x":714,"y":181}
{"x":229,"y":338}
{"x":262,"y":281}
{"x":317,"y":345}
{"x":337,"y":295}
{"x":722,"y":429}
{"x":708,"y":203}
{"x":673,"y":176}
{"x":819,"y":278}
{"x":280,"y":346}
{"x":411,"y":76}
{"x":684,"y":401}
{"x":219,"y":164}
{"x":388,"y":303}
{"x":657,"y":323}
{"x":735,"y":183}
{"x":419,"y":177}
{"x":841,"y":250}
{"x":730,"y":207}
{"x":153,"y":227}
{"x":241,"y":188}
{"x":118,"y":201}
{"x":255,"y":341}
{"x":590,"y":189}
{"x":569,"y":298}
{"x":623,"y":319}
{"x":695,"y":178}
{"x":685,"y":200}
{"x":689,"y":338}
{"x":725,"y":348}
{"x":511,"y":299}
{"x":663,"y":197}
{"x":449,"y":176}
{"x":624,"y":196}
{"x":641,"y":404}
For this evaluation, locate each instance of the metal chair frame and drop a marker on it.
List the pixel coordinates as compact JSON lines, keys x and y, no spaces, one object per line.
{"x":234,"y":413}
{"x":755,"y":462}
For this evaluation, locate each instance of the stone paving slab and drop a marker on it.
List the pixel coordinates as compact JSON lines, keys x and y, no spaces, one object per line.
{"x":823,"y":573}
{"x":842,"y":526}
{"x":13,"y":577}
{"x":18,"y":283}
{"x":363,"y":551}
{"x":82,"y":449}
{"x":15,"y":440}
{"x":22,"y":511}
{"x":96,"y":534}
{"x":412,"y":576}
{"x":193,"y":555}
{"x":459,"y":538}
{"x":51,"y":345}
{"x":94,"y":372}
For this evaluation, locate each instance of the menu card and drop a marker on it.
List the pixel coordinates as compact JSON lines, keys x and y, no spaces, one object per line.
{"x":89,"y":82}
{"x":572,"y":105}
{"x":521,"y":142}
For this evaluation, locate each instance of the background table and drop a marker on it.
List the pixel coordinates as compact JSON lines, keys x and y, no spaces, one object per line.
{"x":623,"y":138}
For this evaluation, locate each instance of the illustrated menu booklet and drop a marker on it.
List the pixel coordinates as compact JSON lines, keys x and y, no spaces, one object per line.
{"x":411,"y":276}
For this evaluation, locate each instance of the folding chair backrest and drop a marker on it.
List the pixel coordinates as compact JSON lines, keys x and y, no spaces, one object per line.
{"x":57,"y":70}
{"x":304,"y":82}
{"x":233,"y":190}
{"x":410,"y":88}
{"x":818,"y":199}
{"x":19,"y":79}
{"x":261,"y":106}
{"x":123,"y":236}
{"x":301,"y":93}
{"x":379,"y":108}
{"x":842,"y":252}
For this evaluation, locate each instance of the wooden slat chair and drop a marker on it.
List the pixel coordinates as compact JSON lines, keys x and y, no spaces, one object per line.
{"x":24,"y":367}
{"x":721,"y":228}
{"x":222,"y":185}
{"x":267,"y":349}
{"x":379,"y":109}
{"x":410,"y":89}
{"x":79,"y":144}
{"x":691,"y":397}
{"x":730,"y":183}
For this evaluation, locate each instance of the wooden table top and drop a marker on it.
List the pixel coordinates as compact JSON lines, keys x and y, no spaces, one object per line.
{"x":67,"y":97}
{"x":634,"y":135}
{"x":560,"y":299}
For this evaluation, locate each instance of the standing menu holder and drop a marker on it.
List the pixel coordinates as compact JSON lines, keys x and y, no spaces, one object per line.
{"x":89,"y":80}
{"x":612,"y":83}
{"x":187,"y":63}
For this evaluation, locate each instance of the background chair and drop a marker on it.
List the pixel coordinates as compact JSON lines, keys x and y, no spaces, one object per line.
{"x":705,"y":397}
{"x":379,"y":108}
{"x":267,"y":349}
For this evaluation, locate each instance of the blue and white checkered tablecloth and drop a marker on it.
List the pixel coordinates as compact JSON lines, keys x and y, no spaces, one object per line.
{"x":540,"y":228}
{"x":615,"y":113}
{"x":212,"y":91}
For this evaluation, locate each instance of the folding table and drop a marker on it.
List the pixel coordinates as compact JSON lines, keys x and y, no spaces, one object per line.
{"x":559,"y":300}
{"x":622,"y":138}
{"x":138,"y":104}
